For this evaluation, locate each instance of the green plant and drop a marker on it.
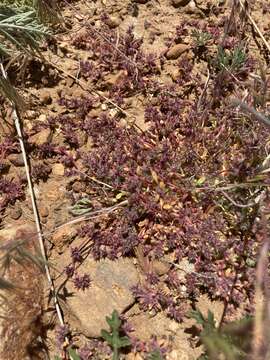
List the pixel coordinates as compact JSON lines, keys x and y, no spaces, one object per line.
{"x":155,"y":355}
{"x":231,"y":60}
{"x":200,"y":38}
{"x":229,"y":341}
{"x":113,"y":338}
{"x":20,"y":29}
{"x":72,"y":355}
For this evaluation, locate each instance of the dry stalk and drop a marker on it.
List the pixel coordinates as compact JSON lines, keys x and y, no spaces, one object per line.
{"x":254,"y":25}
{"x":17,"y":123}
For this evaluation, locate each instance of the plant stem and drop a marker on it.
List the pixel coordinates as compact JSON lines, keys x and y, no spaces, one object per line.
{"x":115,"y":353}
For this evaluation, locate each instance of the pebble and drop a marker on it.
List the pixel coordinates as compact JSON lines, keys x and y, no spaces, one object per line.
{"x":176,"y":51}
{"x":58,"y":169}
{"x":41,"y":137}
{"x":16,"y":159}
{"x":64,"y":235}
{"x":16,"y":213}
{"x":113,"y":22}
{"x":78,"y":187}
{"x":42,"y":118}
{"x":45,"y":98}
{"x":44,"y":211}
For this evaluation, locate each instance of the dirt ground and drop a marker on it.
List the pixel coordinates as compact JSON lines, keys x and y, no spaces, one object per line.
{"x":32,"y":328}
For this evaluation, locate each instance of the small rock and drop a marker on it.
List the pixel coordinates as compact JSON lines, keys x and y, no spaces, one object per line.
{"x":30,"y":114}
{"x":94,"y":113}
{"x":58,"y":169}
{"x":174,"y":74}
{"x":113,"y":22}
{"x":16,"y":159}
{"x":141,"y":1}
{"x":42,"y":118}
{"x":43,"y":211}
{"x":104,"y":107}
{"x":184,"y":267}
{"x":15,"y":214}
{"x":109,"y":290}
{"x":41,"y":138}
{"x":113,"y":79}
{"x":178,"y":3}
{"x":45,"y":98}
{"x":78,"y":187}
{"x":176,"y":51}
{"x":160,"y":267}
{"x":64,"y":235}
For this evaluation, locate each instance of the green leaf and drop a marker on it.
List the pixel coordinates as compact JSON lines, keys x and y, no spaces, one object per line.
{"x":198,"y":316}
{"x":211,"y":319}
{"x":107,"y":337}
{"x":155,"y":355}
{"x":73,"y":354}
{"x":124,"y":341}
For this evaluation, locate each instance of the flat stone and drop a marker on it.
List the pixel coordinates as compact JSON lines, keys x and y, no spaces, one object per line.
{"x":41,"y":137}
{"x":176,"y":51}
{"x":109,"y":290}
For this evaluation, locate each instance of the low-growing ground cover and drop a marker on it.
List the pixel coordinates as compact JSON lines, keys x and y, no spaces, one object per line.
{"x":147,"y":135}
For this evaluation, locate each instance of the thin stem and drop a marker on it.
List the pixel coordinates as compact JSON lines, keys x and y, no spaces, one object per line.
{"x":34,"y":205}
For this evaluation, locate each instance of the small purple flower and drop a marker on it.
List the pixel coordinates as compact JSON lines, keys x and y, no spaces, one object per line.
{"x":82,"y":282}
{"x":61,"y":333}
{"x":76,"y":254}
{"x":69,"y":270}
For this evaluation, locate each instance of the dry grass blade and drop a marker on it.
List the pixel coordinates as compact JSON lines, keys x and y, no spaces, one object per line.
{"x":34,"y":206}
{"x":255,"y":26}
{"x":10,"y":92}
{"x":250,"y":110}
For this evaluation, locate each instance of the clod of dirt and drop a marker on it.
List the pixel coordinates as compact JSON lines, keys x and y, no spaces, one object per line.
{"x":41,"y":138}
{"x":45,"y":98}
{"x":58,"y":169}
{"x":109,"y":290}
{"x":15,"y":214}
{"x":64,"y":236}
{"x":16,"y":159}
{"x":178,"y":3}
{"x":113,"y":21}
{"x":176,"y":51}
{"x":44,"y":211}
